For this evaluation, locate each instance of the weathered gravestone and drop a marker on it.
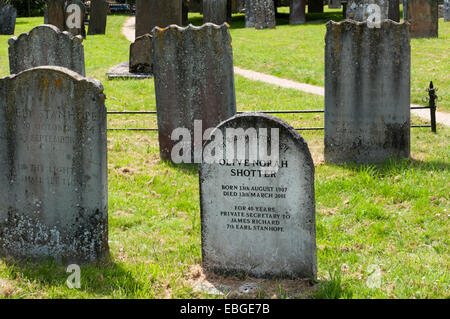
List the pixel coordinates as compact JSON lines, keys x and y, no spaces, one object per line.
{"x":46,"y":45}
{"x":260,"y":14}
{"x":215,"y":11}
{"x":161,"y":13}
{"x":424,"y":18}
{"x":55,"y":14}
{"x":74,"y":13}
{"x":97,"y":21}
{"x":315,"y":6}
{"x":362,"y":10}
{"x":141,"y":60}
{"x":53,"y":171}
{"x":394,"y":10}
{"x":194,"y":81}
{"x":446,"y":10}
{"x":334,"y":4}
{"x":367,"y":92}
{"x":258,"y":212}
{"x":297,"y":12}
{"x":8,"y":16}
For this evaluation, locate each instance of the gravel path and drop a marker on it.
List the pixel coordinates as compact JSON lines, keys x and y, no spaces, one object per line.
{"x":128,"y":29}
{"x":442,"y":118}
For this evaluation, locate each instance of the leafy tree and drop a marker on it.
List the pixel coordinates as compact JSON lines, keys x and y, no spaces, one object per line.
{"x":28,"y":8}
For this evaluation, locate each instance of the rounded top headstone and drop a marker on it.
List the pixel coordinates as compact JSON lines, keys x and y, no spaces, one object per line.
{"x":258,"y":212}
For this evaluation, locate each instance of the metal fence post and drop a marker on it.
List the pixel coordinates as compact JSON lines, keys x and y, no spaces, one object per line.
{"x":432,"y":105}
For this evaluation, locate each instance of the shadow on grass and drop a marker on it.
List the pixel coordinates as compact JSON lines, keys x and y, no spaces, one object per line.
{"x":397,"y":165}
{"x":238,"y":20}
{"x":188,"y":169}
{"x":104,"y":278}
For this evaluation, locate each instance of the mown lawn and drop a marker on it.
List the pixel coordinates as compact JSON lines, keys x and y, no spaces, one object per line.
{"x":392,"y":217}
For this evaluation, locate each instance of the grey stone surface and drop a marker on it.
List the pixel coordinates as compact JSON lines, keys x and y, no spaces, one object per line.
{"x":297,"y":12}
{"x":55,"y":13}
{"x":254,"y":221}
{"x":260,"y":14}
{"x":8,"y":16}
{"x":194,"y":79}
{"x":98,"y":17}
{"x":315,"y":6}
{"x":215,"y":11}
{"x":196,"y":6}
{"x":122,"y":71}
{"x":334,"y":4}
{"x":161,"y":13}
{"x":367,"y":92}
{"x":358,"y":9}
{"x":394,"y":10}
{"x":141,"y":59}
{"x":46,"y":45}
{"x":424,"y":18}
{"x":72,"y":16}
{"x":446,"y":10}
{"x":53,"y":166}
{"x":46,"y":15}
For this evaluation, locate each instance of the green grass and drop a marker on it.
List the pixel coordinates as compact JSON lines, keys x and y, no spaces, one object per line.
{"x":394,"y":215}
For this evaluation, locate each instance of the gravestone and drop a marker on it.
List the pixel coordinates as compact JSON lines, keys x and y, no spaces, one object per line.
{"x":194,"y":80}
{"x":334,"y":4}
{"x":46,"y":45}
{"x":297,"y":12}
{"x":185,"y":12}
{"x":74,"y":14}
{"x":446,"y":10}
{"x":260,"y":14}
{"x":360,"y":10}
{"x":405,"y":9}
{"x":258,"y":214}
{"x":141,"y":55}
{"x":315,"y":6}
{"x":394,"y":10}
{"x":196,"y":5}
{"x":53,"y":166}
{"x":367,"y":92}
{"x":424,"y":18}
{"x":229,"y":10}
{"x":97,"y":21}
{"x":215,"y":11}
{"x":240,"y":5}
{"x":55,"y":13}
{"x":161,"y":13}
{"x":8,"y":16}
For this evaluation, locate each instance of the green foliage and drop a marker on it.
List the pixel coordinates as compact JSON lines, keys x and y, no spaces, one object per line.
{"x":28,"y":8}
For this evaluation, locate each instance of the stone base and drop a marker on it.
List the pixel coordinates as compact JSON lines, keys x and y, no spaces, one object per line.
{"x":122,"y":71}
